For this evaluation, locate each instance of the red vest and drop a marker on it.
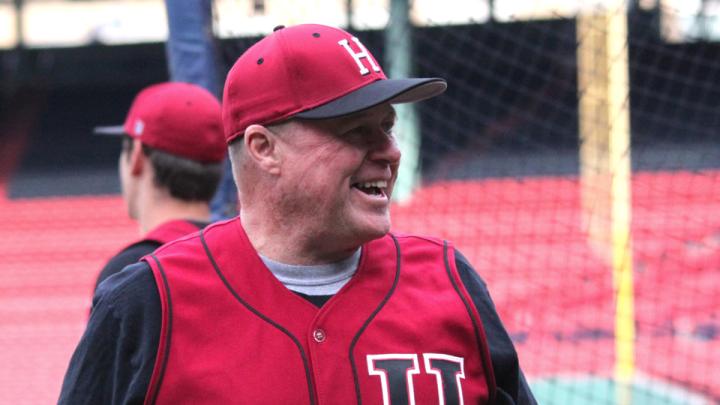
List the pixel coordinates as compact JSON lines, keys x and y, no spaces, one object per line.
{"x":169,"y":231}
{"x":166,"y":232}
{"x":402,"y":330}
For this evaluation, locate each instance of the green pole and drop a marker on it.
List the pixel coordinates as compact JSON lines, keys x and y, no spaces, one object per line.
{"x":349,"y":14}
{"x":20,"y":38}
{"x":399,"y":63}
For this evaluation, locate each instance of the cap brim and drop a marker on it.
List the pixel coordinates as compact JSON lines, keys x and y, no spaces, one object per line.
{"x":113,"y":130}
{"x":393,"y":91}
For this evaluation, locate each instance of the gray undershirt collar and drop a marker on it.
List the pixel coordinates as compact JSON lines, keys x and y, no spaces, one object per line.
{"x":324,"y":279}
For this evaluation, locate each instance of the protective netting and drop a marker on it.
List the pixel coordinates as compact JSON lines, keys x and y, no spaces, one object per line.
{"x":607,"y":278}
{"x":575,"y":161}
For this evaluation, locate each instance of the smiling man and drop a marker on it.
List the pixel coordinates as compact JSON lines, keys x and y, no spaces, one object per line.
{"x":306,"y":297}
{"x":329,"y":186}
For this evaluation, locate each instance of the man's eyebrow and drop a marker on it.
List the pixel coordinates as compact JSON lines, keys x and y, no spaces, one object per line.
{"x":351,"y":119}
{"x":369,"y":111}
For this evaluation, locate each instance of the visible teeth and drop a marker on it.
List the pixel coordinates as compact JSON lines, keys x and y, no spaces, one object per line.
{"x":371,"y":184}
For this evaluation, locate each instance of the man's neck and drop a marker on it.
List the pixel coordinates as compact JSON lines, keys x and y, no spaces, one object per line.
{"x":290,"y":245}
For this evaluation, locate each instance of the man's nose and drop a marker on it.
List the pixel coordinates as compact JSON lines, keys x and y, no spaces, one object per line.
{"x":385,"y":149}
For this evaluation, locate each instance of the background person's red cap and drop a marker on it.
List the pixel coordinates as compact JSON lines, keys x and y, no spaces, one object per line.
{"x":314,"y":72}
{"x":178,"y":118}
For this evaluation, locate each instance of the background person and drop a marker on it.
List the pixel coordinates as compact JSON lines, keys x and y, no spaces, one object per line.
{"x":169,"y":165}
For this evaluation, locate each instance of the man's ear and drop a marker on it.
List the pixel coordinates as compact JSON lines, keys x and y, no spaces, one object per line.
{"x":261,"y":146}
{"x":137,"y":158}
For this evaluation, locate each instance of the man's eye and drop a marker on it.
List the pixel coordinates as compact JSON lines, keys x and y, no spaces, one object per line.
{"x":357,"y":131}
{"x":388,"y":127}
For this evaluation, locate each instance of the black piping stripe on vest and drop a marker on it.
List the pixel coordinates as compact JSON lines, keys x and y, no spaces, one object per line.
{"x":371,"y":317}
{"x":156,"y":387}
{"x":311,"y":388}
{"x":476,"y":328}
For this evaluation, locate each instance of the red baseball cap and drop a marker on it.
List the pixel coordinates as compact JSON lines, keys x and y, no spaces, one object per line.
{"x":178,"y":118}
{"x":311,"y":71}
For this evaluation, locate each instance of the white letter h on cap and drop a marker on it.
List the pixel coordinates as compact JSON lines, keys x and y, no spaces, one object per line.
{"x":357,"y":56}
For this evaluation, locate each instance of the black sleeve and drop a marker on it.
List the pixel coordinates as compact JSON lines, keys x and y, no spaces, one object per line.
{"x":126,"y":257}
{"x":512,"y":388}
{"x":114,"y":360}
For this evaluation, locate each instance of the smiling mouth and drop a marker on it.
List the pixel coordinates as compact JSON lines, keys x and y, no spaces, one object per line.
{"x":374,"y":188}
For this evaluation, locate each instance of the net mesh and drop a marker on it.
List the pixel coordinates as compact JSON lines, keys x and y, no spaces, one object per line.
{"x":600,"y":245}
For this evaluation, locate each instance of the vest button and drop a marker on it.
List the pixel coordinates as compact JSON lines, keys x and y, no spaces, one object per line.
{"x":319,"y":335}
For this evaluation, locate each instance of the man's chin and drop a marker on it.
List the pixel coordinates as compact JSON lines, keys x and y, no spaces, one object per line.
{"x":376,"y":231}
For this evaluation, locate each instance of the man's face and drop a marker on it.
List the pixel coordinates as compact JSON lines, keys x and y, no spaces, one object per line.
{"x":337,"y":176}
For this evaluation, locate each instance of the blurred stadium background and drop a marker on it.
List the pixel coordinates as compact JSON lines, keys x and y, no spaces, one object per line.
{"x":575,"y":160}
